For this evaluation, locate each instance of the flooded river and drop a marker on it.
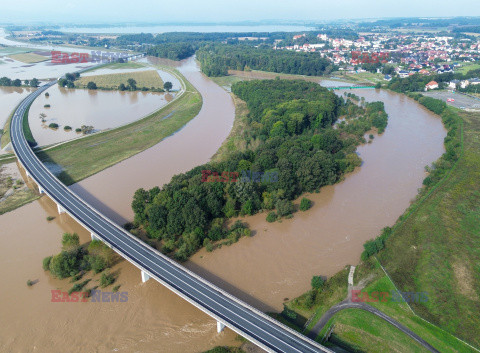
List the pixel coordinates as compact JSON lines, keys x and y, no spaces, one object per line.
{"x":277,"y":262}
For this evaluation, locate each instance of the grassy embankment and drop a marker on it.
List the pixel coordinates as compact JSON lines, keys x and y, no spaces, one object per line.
{"x":366,"y":332}
{"x":86,"y":156}
{"x":148,"y":79}
{"x":434,"y":249}
{"x":28,"y":58}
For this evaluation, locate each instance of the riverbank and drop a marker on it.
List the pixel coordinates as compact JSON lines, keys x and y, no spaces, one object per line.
{"x":421,"y":234}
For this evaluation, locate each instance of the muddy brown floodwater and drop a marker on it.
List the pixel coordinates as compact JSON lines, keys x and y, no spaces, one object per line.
{"x":97,"y":108}
{"x":277,"y":262}
{"x":9,"y":98}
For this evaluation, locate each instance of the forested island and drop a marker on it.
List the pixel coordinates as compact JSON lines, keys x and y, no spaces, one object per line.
{"x":292,"y":130}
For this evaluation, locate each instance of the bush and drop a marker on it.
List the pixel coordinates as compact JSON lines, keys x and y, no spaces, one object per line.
{"x":271,"y":217}
{"x":91,"y":85}
{"x":67,"y":128}
{"x":305,"y":204}
{"x":284,"y":207}
{"x":78,"y":130}
{"x":317,"y":282}
{"x":77,"y":287}
{"x":50,"y":218}
{"x":64,"y":264}
{"x":46,"y":263}
{"x":97,"y":264}
{"x":106,"y":280}
{"x":70,"y":242}
{"x":53,"y":126}
{"x":30,"y":283}
{"x":46,"y":106}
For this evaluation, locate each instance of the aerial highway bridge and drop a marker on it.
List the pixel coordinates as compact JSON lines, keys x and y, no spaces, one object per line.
{"x":227,"y":310}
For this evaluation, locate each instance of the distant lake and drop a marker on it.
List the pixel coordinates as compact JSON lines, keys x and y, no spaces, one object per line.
{"x":188,"y":28}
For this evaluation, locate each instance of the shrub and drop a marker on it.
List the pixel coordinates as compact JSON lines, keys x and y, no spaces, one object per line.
{"x":67,"y":128}
{"x":284,"y":207}
{"x":70,"y":241}
{"x":78,"y":130}
{"x":271,"y":217}
{"x":91,"y":85}
{"x":50,"y":218}
{"x":97,"y":264}
{"x":106,"y":280}
{"x":77,"y":287}
{"x":305,"y":204}
{"x":317,"y":282}
{"x":46,"y":106}
{"x":46,"y":263}
{"x":53,"y":126}
{"x":63,"y":264}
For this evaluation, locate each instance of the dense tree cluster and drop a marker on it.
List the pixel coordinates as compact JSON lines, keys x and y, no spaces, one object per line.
{"x":74,"y":258}
{"x":5,"y":81}
{"x":217,"y":59}
{"x":69,"y":80}
{"x":173,"y":51}
{"x":292,"y":121}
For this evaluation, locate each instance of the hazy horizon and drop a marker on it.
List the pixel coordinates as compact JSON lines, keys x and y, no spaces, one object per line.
{"x":217,"y":11}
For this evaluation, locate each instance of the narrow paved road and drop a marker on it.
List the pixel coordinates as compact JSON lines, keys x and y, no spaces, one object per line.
{"x":348,"y":304}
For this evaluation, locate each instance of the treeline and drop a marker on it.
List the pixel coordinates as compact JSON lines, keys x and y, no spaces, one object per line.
{"x":291,"y":121}
{"x":7,"y":82}
{"x":172,"y":51}
{"x":437,"y":171}
{"x":217,"y":59}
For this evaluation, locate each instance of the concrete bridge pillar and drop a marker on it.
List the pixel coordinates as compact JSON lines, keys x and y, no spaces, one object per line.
{"x":145,"y":276}
{"x":220,"y":327}
{"x":59,"y":208}
{"x":40,"y":190}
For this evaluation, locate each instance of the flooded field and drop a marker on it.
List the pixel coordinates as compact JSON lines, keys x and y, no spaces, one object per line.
{"x":276,"y":263}
{"x":10,"y":97}
{"x":97,"y":108}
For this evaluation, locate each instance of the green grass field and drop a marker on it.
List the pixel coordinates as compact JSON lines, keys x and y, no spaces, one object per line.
{"x":370,"y":334}
{"x":28,"y":58}
{"x":84,"y":157}
{"x":148,"y":79}
{"x":127,"y":65}
{"x":467,"y":67}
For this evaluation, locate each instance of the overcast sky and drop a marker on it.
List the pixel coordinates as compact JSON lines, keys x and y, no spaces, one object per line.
{"x":104,"y":11}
